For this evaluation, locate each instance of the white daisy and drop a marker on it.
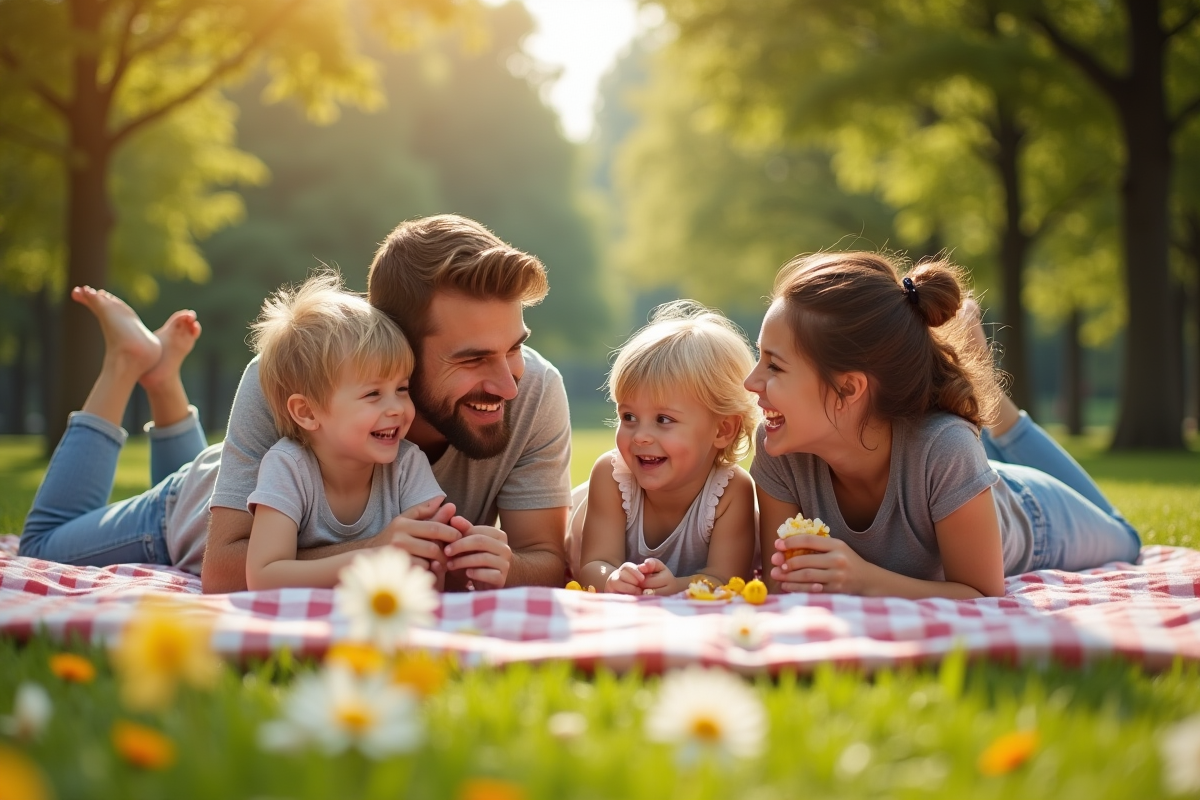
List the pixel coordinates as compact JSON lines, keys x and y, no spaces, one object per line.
{"x":1180,"y":747}
{"x":334,"y":710}
{"x":384,"y":594}
{"x":705,"y":711}
{"x":744,"y":629}
{"x":31,"y":713}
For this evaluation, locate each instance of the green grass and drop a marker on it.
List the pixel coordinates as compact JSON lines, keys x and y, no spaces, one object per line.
{"x":908,"y":733}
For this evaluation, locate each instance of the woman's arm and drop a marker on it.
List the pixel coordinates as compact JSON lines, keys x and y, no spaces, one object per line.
{"x":969,"y":541}
{"x":603,"y":552}
{"x":271,"y":561}
{"x":771,"y":514}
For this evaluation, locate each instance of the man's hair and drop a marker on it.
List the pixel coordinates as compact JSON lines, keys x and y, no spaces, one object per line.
{"x":307,"y":335}
{"x":690,"y":350}
{"x":447,"y":253}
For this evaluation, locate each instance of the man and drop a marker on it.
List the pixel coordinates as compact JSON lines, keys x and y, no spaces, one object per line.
{"x":491,"y":415}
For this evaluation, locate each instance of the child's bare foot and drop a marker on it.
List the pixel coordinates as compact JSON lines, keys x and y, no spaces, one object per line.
{"x":129,"y":347}
{"x":178,"y":336}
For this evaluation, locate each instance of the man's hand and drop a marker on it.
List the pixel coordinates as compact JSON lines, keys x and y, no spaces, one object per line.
{"x":482,"y":551}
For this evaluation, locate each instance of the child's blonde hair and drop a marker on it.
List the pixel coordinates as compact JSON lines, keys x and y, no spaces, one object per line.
{"x":307,"y":335}
{"x":690,"y":348}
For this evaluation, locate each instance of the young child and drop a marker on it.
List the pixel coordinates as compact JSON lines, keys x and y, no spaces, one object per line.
{"x":873,"y":391}
{"x":335,"y":373}
{"x":670,"y":504}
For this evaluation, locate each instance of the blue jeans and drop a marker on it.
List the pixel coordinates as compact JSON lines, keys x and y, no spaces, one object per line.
{"x":1074,"y":525}
{"x":71,"y":520}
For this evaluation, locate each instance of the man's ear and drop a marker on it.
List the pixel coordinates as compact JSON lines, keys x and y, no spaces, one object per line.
{"x":727,"y":430}
{"x":302,"y":412}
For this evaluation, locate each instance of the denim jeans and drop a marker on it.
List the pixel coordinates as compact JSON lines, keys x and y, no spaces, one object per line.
{"x":71,"y":520}
{"x":1074,"y":525}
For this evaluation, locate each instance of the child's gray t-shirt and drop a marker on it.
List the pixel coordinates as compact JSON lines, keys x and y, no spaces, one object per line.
{"x":937,"y":465}
{"x":289,"y":481}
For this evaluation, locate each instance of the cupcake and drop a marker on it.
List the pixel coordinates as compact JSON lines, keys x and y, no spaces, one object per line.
{"x":800,"y":524}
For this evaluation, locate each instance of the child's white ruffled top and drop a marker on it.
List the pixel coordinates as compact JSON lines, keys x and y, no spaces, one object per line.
{"x":685,"y":551}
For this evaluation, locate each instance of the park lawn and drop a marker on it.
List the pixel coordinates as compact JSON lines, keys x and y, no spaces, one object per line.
{"x":906,"y":733}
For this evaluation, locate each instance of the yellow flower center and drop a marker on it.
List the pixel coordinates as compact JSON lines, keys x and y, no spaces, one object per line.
{"x":354,"y":717}
{"x":384,"y":603}
{"x":706,"y":729}
{"x":744,"y":631}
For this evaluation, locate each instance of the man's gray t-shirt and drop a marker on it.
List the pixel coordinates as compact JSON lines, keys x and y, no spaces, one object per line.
{"x":533,"y":471}
{"x":289,"y":481}
{"x":937,"y":465}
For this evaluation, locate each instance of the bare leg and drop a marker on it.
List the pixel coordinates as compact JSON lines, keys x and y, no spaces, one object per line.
{"x":1007,"y":414}
{"x":164,"y":388}
{"x":130,"y":349}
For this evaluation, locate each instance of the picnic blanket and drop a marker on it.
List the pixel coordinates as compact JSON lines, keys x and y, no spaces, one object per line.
{"x":1147,"y":612}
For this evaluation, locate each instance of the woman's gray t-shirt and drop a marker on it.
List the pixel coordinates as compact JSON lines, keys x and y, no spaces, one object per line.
{"x":289,"y":481}
{"x":937,"y":465}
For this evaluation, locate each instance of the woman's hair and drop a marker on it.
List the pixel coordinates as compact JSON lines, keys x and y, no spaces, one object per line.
{"x":689,"y":349}
{"x":307,"y":335}
{"x":854,"y":312}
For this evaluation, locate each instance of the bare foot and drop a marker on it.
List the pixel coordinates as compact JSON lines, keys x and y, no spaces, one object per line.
{"x":178,"y":336}
{"x":129,"y":347}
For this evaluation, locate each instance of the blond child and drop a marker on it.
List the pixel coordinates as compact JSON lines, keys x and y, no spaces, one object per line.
{"x":669,"y":504}
{"x":335,"y":372}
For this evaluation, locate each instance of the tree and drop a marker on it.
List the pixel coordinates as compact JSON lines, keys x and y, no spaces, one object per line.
{"x":1142,"y":57}
{"x":82,"y":79}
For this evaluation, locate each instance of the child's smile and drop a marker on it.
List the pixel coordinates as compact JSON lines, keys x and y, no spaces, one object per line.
{"x":667,"y":444}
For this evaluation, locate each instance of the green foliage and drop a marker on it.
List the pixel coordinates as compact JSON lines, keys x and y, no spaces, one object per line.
{"x":907,"y":733}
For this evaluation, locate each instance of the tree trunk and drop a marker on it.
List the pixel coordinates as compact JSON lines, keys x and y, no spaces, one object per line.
{"x":212,"y":389}
{"x":20,"y":398}
{"x":90,"y":220}
{"x":1073,"y":392}
{"x":1151,"y":413}
{"x":48,"y":333}
{"x":1014,"y":247}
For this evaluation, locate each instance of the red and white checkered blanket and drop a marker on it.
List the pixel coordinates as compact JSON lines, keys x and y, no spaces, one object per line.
{"x":1148,"y":613}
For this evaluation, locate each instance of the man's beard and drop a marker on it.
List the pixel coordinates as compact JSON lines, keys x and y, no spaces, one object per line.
{"x":473,"y":441}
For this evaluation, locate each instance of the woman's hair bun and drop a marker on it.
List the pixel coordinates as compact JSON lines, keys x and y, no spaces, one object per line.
{"x":938,"y":291}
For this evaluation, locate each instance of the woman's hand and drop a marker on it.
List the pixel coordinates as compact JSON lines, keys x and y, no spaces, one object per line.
{"x":834,"y":568}
{"x":625,"y":579}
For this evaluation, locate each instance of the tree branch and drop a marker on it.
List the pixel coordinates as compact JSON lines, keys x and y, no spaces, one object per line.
{"x":1085,"y":187}
{"x":221,"y":70}
{"x":47,"y":95}
{"x":124,"y":57}
{"x":1187,"y":20}
{"x":164,"y":36}
{"x":34,"y":141}
{"x":1100,"y":75}
{"x":1190,"y":108}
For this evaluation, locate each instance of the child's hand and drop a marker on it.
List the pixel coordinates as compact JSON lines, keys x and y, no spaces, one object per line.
{"x":625,"y":579}
{"x":833,"y":568}
{"x":422,"y":531}
{"x":658,"y":579}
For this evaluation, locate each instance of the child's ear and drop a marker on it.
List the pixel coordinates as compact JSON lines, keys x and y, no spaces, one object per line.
{"x":302,"y":412}
{"x":727,"y":430}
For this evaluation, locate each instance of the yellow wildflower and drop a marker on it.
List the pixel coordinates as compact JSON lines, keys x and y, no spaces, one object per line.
{"x":361,"y":659}
{"x":421,"y":672}
{"x":142,"y":747}
{"x":574,"y":586}
{"x":72,"y":668}
{"x":20,"y":778}
{"x":163,"y":644}
{"x":1008,"y":752}
{"x":736,"y":584}
{"x":755,"y":592}
{"x":490,"y":789}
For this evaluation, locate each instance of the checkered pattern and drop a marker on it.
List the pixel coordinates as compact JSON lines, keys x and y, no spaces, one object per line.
{"x":1148,"y":613}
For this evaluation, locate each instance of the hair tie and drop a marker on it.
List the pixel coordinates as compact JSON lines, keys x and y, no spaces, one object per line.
{"x":910,"y":290}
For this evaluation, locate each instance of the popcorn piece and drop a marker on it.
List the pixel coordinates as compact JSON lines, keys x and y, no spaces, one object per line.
{"x":704,"y":589}
{"x":574,"y":586}
{"x":736,"y":584}
{"x":800,"y":524}
{"x":755,"y":592}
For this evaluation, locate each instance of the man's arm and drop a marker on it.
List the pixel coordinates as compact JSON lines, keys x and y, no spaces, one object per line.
{"x":536,"y":537}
